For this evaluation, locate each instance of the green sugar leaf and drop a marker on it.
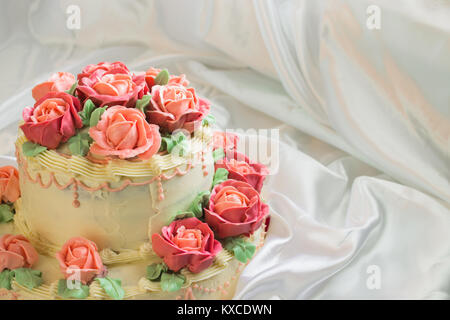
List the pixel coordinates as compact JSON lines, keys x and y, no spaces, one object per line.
{"x":176,"y":144}
{"x":220,"y":176}
{"x":200,"y":202}
{"x":181,"y":215}
{"x":172,"y":281}
{"x":6,"y":213}
{"x":31,"y":149}
{"x":80,"y":291}
{"x":28,"y":278}
{"x":242,"y":249}
{"x":112,"y":287}
{"x":72,"y":89}
{"x":218,"y":154}
{"x":209,"y":120}
{"x":162,"y":78}
{"x":155,"y":270}
{"x":86,"y":113}
{"x":96,"y":116}
{"x":141,"y":104}
{"x":79,"y":144}
{"x":5,"y":279}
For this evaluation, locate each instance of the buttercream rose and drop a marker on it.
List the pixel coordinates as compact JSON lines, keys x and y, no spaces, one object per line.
{"x":52,"y":120}
{"x":99,"y":69}
{"x":186,"y":243}
{"x":9,"y":184}
{"x":235,"y":208}
{"x":225,"y":140}
{"x":16,"y":252}
{"x":176,"y":107}
{"x":241,"y":168}
{"x":151,"y":74}
{"x":79,"y":259}
{"x":115,"y":86}
{"x":58,"y":82}
{"x":125,"y":133}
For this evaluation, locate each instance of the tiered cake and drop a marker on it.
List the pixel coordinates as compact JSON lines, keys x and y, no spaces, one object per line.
{"x":123,"y":190}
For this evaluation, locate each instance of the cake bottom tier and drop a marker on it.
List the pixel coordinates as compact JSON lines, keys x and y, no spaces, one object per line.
{"x":218,"y":282}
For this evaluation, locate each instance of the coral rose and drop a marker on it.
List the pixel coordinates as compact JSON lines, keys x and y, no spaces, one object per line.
{"x":116,"y":86}
{"x":125,"y":133}
{"x":241,"y":168}
{"x":52,"y":120}
{"x":16,"y":252}
{"x":176,"y":107}
{"x":80,"y":256}
{"x":99,"y":69}
{"x":9,"y":184}
{"x":151,"y":74}
{"x":58,"y":82}
{"x":235,"y":208}
{"x":186,"y":243}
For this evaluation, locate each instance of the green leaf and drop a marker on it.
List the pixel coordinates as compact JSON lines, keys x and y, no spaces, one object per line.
{"x":71,"y":91}
{"x":86,"y":113}
{"x":176,"y":143}
{"x":5,"y":279}
{"x":79,"y":144}
{"x":96,"y":115}
{"x":218,"y":154}
{"x":155,"y":270}
{"x":6,"y":213}
{"x":31,"y":149}
{"x":141,"y":104}
{"x":200,"y":202}
{"x":182,"y":215}
{"x":28,"y":278}
{"x":242,"y":249}
{"x":220,"y":176}
{"x":64,"y":292}
{"x":162,"y":78}
{"x":112,"y":287}
{"x":209,"y":120}
{"x":172,"y":281}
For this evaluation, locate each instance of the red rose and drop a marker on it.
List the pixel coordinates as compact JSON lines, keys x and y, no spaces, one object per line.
{"x":111,"y":84}
{"x":188,"y":242}
{"x":242,"y":169}
{"x":235,"y":208}
{"x":52,"y":120}
{"x":16,"y":252}
{"x":80,"y":255}
{"x":174,"y":107}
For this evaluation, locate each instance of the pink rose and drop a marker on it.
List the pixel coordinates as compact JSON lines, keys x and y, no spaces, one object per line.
{"x":97,"y":70}
{"x":188,"y":242}
{"x":58,"y":82}
{"x":9,"y":184}
{"x":225,"y":140}
{"x":116,"y":86}
{"x":242,"y":169}
{"x":52,"y":120}
{"x":174,"y":107}
{"x":151,"y":74}
{"x":80,"y":255}
{"x":16,"y":252}
{"x":125,"y":133}
{"x":235,"y":208}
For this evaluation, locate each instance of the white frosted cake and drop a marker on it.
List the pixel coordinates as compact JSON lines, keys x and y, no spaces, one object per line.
{"x":125,"y":191}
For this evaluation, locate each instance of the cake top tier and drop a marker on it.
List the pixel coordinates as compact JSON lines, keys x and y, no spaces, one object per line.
{"x":107,"y":112}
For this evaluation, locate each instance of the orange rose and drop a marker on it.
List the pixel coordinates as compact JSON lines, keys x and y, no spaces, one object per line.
{"x":125,"y":133}
{"x":80,"y":255}
{"x":114,"y":84}
{"x":9,"y":184}
{"x":188,"y":239}
{"x":230,"y":197}
{"x":16,"y":252}
{"x":59,"y":82}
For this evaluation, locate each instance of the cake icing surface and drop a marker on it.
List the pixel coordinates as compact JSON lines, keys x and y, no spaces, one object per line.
{"x":124,"y":191}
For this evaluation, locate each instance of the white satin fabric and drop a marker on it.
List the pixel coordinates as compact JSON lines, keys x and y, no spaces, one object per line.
{"x":362,"y":191}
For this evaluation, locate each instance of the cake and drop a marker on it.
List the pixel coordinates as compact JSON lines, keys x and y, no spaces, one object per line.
{"x":124,"y":190}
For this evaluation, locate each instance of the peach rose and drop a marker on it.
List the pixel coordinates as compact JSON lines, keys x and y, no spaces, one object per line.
{"x":151,"y":74}
{"x":125,"y":133}
{"x":52,"y":120}
{"x":174,"y":107}
{"x":16,"y":252}
{"x":235,"y":208}
{"x":58,"y":82}
{"x":186,"y":243}
{"x":80,"y":255}
{"x":9,"y":184}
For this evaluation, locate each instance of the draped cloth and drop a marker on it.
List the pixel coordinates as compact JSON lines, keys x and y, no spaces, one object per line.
{"x":360,"y":197}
